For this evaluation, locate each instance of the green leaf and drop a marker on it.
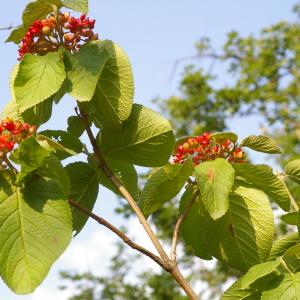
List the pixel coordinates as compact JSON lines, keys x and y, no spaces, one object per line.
{"x":113,"y":98}
{"x":77,"y":5}
{"x":261,"y":143}
{"x":75,"y":126}
{"x":63,"y":142}
{"x":35,"y":229}
{"x":292,"y":169}
{"x":16,"y":35}
{"x":39,"y":9}
{"x":286,"y":287}
{"x":146,"y":139}
{"x":259,"y":271}
{"x":84,"y":68}
{"x":244,"y":236}
{"x":52,"y":168}
{"x":192,"y":226}
{"x":30,"y":155}
{"x":84,"y":190}
{"x":38,"y":78}
{"x":215,"y":179}
{"x":262,"y":177}
{"x":291,"y":218}
{"x":235,"y":292}
{"x":126,"y":173}
{"x":282,"y":245}
{"x":163,"y":185}
{"x":221,"y":137}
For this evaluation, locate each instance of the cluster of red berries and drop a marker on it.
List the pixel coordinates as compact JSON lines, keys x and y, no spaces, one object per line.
{"x":49,"y":34}
{"x":12,"y":133}
{"x":203,"y":148}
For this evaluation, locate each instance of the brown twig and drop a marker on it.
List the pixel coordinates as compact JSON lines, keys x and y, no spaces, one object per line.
{"x":169,"y":265}
{"x":178,"y":225}
{"x":118,"y":232}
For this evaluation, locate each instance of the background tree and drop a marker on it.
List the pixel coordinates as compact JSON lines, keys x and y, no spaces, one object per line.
{"x":262,"y":78}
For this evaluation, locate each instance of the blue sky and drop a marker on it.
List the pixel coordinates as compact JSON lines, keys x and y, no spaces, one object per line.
{"x":153,"y":33}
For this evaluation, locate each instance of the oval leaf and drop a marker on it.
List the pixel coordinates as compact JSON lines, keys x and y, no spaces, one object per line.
{"x":146,"y":139}
{"x":261,"y":143}
{"x":244,"y":236}
{"x":163,"y":185}
{"x":35,"y":229}
{"x":113,"y":98}
{"x":221,"y":137}
{"x":215,"y":179}
{"x":84,"y":68}
{"x":38,"y":78}
{"x":259,"y":271}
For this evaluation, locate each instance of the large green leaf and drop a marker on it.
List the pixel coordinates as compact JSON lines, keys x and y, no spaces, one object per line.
{"x":235,"y":292}
{"x":39,"y":9}
{"x":84,"y":190}
{"x":282,"y":245}
{"x":215,"y":179}
{"x":64,"y":143}
{"x":84,"y":68}
{"x":262,"y":177}
{"x":193,"y":225}
{"x":261,"y":143}
{"x":164,"y":184}
{"x":291,"y":218}
{"x":113,"y":98}
{"x":146,"y":139}
{"x":292,"y":169}
{"x":259,"y":271}
{"x":16,"y":35}
{"x":286,"y":287}
{"x":244,"y":236}
{"x":125,"y":172}
{"x":35,"y":228}
{"x":77,"y":5}
{"x":38,"y":78}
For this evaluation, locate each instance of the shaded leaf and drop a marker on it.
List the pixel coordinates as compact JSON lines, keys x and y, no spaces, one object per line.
{"x":16,"y":35}
{"x":84,"y":190}
{"x":221,"y":137}
{"x":163,"y":185}
{"x":292,"y":169}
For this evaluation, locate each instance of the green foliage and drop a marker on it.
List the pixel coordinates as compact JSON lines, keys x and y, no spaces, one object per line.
{"x":225,"y":208}
{"x":259,"y":271}
{"x":16,"y":35}
{"x":215,"y":179}
{"x":84,"y":190}
{"x":164,"y":184}
{"x":38,"y":78}
{"x":146,"y":139}
{"x":261,"y":143}
{"x":244,"y":236}
{"x":262,"y":177}
{"x":84,"y":69}
{"x":35,"y":226}
{"x":292,"y":169}
{"x":112,"y":101}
